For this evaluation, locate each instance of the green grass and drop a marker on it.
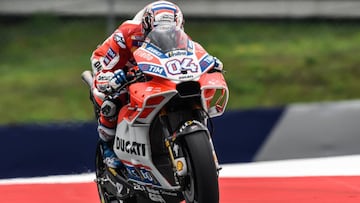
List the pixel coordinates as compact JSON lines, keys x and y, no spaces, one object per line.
{"x":268,"y":63}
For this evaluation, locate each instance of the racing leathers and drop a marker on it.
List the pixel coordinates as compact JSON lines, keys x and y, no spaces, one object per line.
{"x":110,"y":63}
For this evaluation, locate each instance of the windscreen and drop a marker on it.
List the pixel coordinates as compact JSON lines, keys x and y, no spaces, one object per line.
{"x":168,"y":38}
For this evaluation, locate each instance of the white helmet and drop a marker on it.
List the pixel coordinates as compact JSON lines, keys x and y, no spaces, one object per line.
{"x":161,"y":12}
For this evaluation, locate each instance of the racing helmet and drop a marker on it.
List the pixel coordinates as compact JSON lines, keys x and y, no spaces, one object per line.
{"x":161,"y":12}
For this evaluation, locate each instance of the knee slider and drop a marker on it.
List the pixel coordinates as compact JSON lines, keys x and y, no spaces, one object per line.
{"x":108,"y":109}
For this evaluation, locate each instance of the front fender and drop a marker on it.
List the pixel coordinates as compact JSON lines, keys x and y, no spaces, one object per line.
{"x":190,"y":127}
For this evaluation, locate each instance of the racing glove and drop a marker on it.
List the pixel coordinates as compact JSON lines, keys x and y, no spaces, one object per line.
{"x":102,"y":81}
{"x":118,"y":79}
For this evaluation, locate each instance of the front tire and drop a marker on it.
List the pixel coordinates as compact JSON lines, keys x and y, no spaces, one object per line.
{"x":201,"y":184}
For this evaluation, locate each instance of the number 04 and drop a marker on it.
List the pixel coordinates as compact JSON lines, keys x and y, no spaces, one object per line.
{"x":175,"y":66}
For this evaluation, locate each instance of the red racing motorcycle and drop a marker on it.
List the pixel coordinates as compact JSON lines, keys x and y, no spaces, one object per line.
{"x":163,"y":135}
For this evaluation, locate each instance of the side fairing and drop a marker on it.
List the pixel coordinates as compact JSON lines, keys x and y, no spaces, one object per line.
{"x":214,"y":93}
{"x":146,"y":100}
{"x":133,"y":148}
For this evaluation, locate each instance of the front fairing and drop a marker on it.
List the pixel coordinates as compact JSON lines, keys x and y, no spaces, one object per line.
{"x":172,"y":60}
{"x":168,"y":52}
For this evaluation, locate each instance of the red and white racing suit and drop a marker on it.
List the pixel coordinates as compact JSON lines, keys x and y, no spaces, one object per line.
{"x":115,"y":53}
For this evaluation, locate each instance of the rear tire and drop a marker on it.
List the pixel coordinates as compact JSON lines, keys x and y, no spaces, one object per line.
{"x":102,"y":191}
{"x":201,"y":185}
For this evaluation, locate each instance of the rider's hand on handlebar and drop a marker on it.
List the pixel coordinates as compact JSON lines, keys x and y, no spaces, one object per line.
{"x":118,"y":79}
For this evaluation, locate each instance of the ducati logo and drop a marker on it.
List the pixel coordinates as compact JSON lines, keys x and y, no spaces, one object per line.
{"x":133,"y":148}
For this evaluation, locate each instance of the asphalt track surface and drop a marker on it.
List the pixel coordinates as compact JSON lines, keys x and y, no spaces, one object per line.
{"x":297,"y":181}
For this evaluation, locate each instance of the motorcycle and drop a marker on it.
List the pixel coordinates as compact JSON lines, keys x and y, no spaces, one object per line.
{"x":164,"y":133}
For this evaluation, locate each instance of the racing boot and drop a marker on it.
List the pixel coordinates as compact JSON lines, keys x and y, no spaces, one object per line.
{"x":109,"y":156}
{"x":107,"y":136}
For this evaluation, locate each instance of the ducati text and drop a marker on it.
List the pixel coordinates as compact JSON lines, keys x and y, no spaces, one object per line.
{"x":133,"y":148}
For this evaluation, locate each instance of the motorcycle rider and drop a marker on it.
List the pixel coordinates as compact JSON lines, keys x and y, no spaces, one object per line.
{"x":112,"y":60}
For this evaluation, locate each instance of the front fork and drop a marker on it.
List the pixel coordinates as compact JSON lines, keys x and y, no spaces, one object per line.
{"x":176,"y":153}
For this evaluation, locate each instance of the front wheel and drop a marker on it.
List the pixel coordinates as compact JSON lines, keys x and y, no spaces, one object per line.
{"x":201,"y":184}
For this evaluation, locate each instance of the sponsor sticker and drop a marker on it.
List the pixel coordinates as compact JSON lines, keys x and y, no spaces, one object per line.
{"x":120,"y":40}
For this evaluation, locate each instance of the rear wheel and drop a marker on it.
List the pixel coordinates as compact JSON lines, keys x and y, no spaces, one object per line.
{"x":105,"y":189}
{"x":201,"y":185}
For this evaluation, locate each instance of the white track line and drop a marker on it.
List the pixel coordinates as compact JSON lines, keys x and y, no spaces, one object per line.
{"x":331,"y":166}
{"x":79,"y":178}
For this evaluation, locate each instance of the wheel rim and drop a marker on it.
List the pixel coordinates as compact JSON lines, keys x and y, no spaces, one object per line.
{"x":189,"y":187}
{"x":189,"y":191}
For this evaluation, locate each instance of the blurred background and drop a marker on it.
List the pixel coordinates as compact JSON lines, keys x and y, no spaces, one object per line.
{"x":276,"y":52}
{"x":284,"y":59}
